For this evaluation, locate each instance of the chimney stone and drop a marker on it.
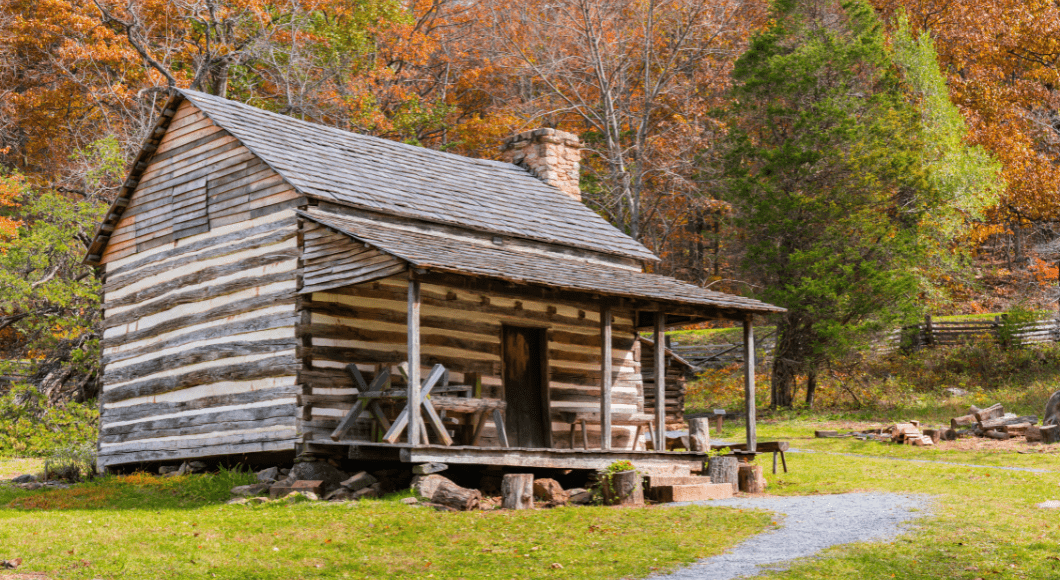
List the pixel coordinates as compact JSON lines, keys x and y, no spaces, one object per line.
{"x":552,"y":156}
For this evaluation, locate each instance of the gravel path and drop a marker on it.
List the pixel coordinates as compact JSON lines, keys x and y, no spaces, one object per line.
{"x":810,"y":524}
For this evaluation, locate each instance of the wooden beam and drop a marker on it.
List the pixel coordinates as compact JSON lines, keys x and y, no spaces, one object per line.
{"x":605,"y":378}
{"x":749,"y":381}
{"x":658,"y":439}
{"x":414,"y":359}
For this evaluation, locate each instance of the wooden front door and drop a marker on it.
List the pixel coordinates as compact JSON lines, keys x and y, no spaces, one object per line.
{"x":525,"y":387}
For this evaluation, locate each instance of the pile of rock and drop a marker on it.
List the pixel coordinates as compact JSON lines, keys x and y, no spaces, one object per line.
{"x":30,"y":482}
{"x":183,"y":469}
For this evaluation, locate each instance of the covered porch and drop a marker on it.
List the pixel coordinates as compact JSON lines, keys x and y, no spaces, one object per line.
{"x":550,"y":366}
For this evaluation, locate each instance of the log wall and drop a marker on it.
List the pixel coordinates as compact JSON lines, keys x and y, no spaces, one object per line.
{"x":365,"y":324}
{"x":199,"y":343}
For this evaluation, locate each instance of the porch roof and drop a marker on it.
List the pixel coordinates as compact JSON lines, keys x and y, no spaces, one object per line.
{"x":437,"y":251}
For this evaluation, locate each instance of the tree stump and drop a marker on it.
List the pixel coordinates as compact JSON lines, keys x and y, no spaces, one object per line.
{"x":623,"y":488}
{"x":751,"y":479}
{"x":452,"y":495}
{"x":724,"y":469}
{"x":1050,"y":433}
{"x":517,"y":491}
{"x":699,"y":434}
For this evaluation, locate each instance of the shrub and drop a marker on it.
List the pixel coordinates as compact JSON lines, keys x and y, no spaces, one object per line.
{"x":29,"y":427}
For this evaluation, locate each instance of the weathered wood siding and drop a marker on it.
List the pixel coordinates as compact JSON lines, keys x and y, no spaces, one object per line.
{"x":676,"y":378}
{"x":366,"y":324}
{"x":332,"y":260}
{"x":199,"y":347}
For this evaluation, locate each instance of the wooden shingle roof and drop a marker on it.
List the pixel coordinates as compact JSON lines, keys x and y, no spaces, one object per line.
{"x":441,"y":253}
{"x":397,"y":179}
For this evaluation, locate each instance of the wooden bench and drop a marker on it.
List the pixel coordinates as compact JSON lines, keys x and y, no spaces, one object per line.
{"x":640,"y":420}
{"x":774,"y":447}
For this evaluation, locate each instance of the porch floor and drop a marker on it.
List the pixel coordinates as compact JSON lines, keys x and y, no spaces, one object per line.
{"x":654,"y":462}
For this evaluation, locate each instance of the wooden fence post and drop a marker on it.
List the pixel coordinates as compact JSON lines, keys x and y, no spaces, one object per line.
{"x":929,"y":338}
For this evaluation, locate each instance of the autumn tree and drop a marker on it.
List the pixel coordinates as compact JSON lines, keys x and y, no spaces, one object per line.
{"x":844,"y":179}
{"x":638,"y":81}
{"x":1002,"y":63}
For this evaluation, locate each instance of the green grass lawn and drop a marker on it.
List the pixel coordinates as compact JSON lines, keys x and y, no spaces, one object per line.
{"x":983,"y":523}
{"x":147,"y":527}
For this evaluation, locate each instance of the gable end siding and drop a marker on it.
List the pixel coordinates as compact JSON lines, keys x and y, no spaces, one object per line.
{"x":199,"y":348}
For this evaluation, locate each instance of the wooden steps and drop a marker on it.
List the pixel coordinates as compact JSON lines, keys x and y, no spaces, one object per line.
{"x":689,"y":488}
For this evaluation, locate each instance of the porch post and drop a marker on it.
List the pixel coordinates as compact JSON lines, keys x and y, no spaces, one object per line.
{"x":605,"y":378}
{"x":749,"y":381}
{"x":414,"y":360}
{"x":658,"y":438}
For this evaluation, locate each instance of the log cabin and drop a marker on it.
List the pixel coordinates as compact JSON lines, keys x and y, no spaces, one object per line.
{"x":274,"y":286}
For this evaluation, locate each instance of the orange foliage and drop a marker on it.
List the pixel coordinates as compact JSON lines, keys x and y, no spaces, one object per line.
{"x":1003,"y":60}
{"x":67,"y":499}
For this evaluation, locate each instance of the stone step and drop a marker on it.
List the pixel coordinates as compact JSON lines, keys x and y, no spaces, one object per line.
{"x":669,"y":480}
{"x":695,"y":492}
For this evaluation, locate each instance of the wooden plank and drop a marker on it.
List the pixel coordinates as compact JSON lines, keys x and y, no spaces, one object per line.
{"x":605,"y":371}
{"x":551,"y":458}
{"x":414,"y":359}
{"x":220,"y":312}
{"x":228,"y":450}
{"x":283,"y":226}
{"x":659,"y":437}
{"x":200,"y":354}
{"x":202,"y":292}
{"x":111,"y":415}
{"x":277,"y":366}
{"x":749,"y":382}
{"x":228,"y":420}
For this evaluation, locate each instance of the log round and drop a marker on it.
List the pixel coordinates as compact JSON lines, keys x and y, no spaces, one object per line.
{"x":452,"y":495}
{"x":699,"y":434}
{"x":623,"y":488}
{"x":517,"y":491}
{"x":751,"y":479}
{"x":724,"y":469}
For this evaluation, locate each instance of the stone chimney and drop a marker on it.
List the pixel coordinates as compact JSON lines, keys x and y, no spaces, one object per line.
{"x":552,"y":156}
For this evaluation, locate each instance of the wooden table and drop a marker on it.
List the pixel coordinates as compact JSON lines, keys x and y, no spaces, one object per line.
{"x":640,"y":420}
{"x":774,"y":447}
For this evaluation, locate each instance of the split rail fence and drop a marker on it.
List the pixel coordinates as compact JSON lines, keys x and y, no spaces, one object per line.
{"x":951,"y":333}
{"x":907,"y":339}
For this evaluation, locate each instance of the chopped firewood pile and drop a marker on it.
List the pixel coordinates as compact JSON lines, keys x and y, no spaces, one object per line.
{"x":992,"y":423}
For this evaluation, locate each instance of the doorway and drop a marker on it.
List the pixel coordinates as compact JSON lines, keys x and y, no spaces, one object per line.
{"x":525,"y":374}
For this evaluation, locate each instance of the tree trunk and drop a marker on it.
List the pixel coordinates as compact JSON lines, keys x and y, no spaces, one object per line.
{"x":517,"y":491}
{"x":811,"y":387}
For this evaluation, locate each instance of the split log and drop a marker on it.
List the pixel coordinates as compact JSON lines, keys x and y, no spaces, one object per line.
{"x":999,"y":435}
{"x":724,"y":469}
{"x":993,"y":412}
{"x":699,"y":434}
{"x":1016,"y":429}
{"x":825,"y":434}
{"x":1050,"y":433}
{"x":517,"y":491}
{"x":965,"y":421}
{"x":459,"y":498}
{"x":948,"y":434}
{"x":751,"y":479}
{"x":1007,"y":420}
{"x":934,"y":434}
